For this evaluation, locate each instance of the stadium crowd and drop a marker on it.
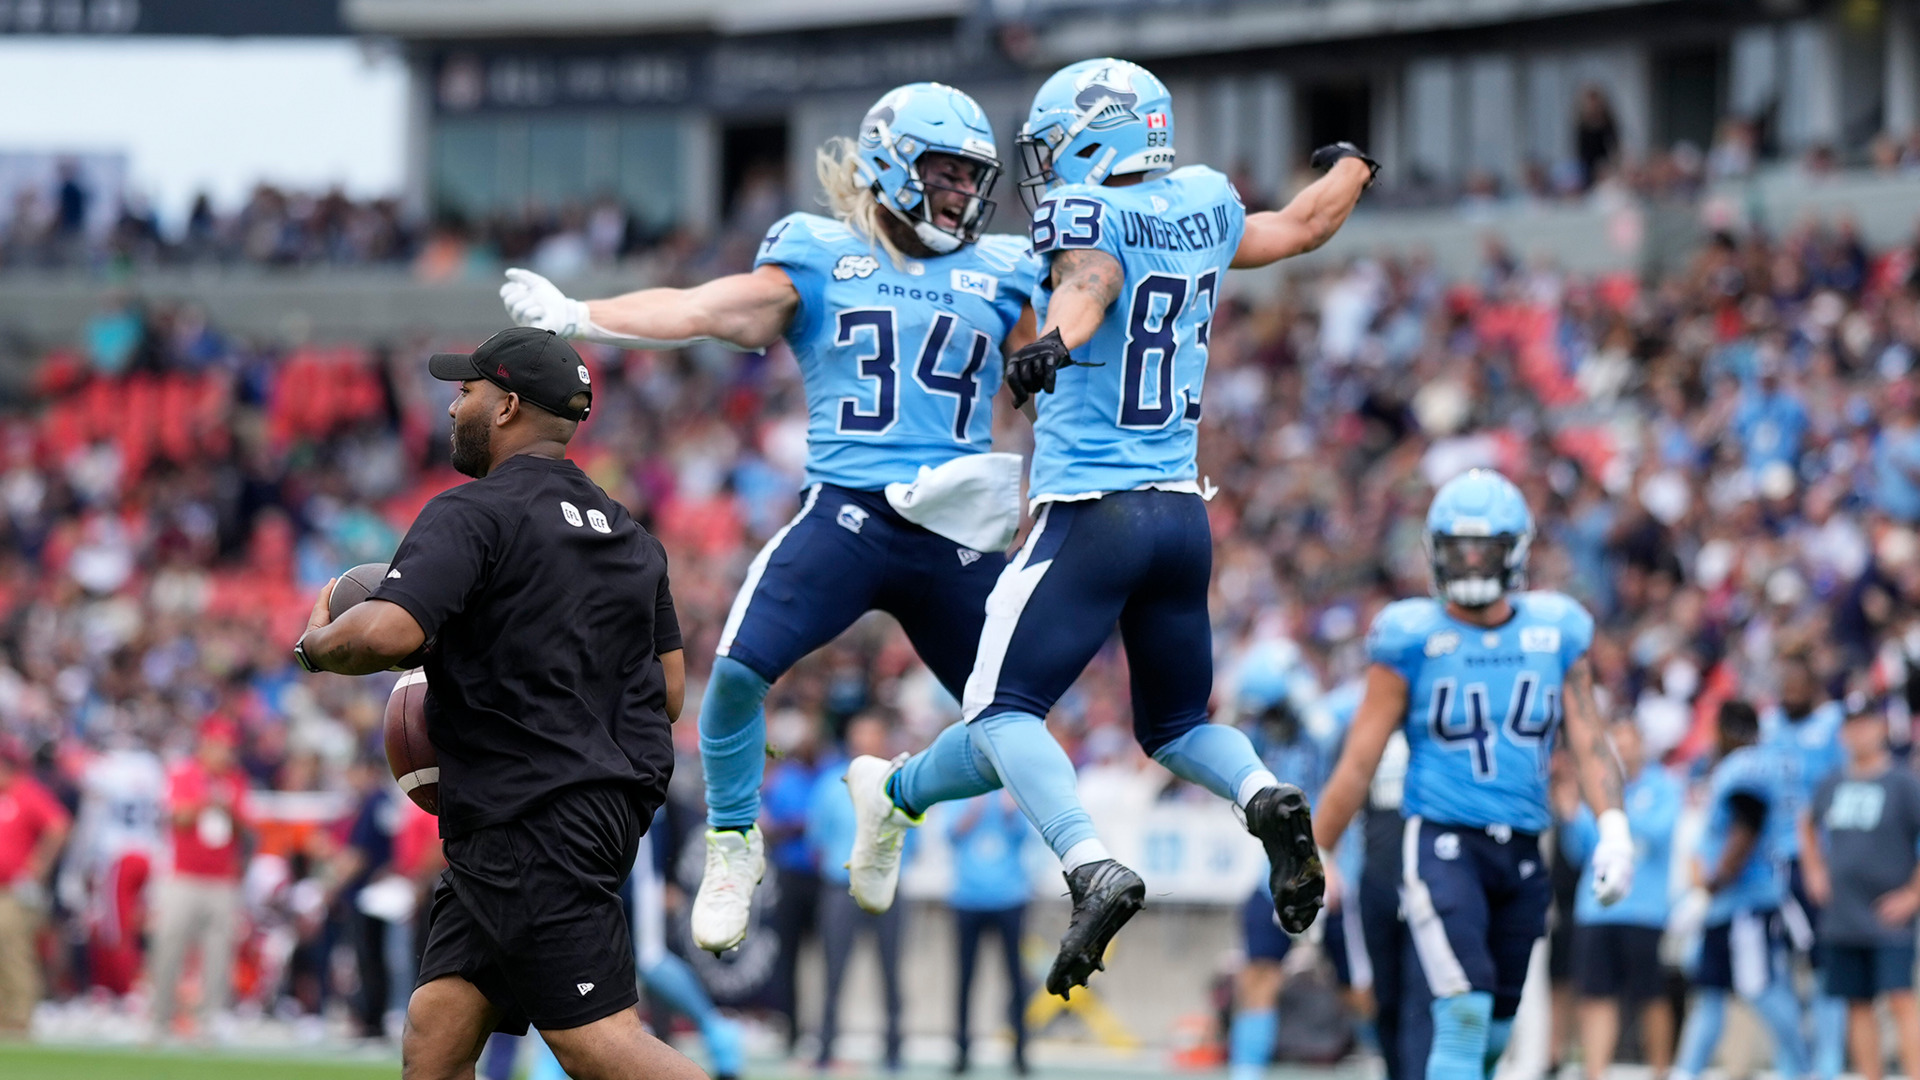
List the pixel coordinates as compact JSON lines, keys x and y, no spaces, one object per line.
{"x":1725,"y":465}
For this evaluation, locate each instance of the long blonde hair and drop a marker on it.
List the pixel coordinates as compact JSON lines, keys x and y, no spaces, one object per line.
{"x":851,"y":200}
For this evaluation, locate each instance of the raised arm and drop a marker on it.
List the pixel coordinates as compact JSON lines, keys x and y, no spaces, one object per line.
{"x":1307,"y":222}
{"x":746,"y":311}
{"x":1382,"y":708}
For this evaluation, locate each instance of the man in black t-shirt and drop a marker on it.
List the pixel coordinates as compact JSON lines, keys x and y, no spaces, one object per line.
{"x":552,"y":654}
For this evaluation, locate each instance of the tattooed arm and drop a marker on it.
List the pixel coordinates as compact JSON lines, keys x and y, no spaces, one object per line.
{"x":1085,"y":283}
{"x":1594,"y":762}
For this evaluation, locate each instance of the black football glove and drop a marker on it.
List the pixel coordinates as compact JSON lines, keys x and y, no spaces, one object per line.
{"x":1327,"y":156}
{"x":1031,"y":369}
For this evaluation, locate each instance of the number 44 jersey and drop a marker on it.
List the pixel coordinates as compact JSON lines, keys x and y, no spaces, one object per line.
{"x":900,"y":364}
{"x":1133,"y":421}
{"x":1483,"y":705}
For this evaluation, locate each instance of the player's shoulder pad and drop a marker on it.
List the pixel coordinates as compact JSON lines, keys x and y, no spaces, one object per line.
{"x":802,"y":239}
{"x":1011,"y":256}
{"x":1564,"y":614}
{"x":1408,"y":628}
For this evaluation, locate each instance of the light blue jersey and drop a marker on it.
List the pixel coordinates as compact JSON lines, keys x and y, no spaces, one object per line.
{"x":900,"y":366}
{"x":1810,"y":751}
{"x":1762,"y":884}
{"x":1652,"y":802}
{"x":1483,"y":705}
{"x":1134,"y":420}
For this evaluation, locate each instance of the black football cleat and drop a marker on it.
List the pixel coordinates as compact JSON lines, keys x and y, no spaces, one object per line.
{"x":1280,"y":818}
{"x":1105,"y":896}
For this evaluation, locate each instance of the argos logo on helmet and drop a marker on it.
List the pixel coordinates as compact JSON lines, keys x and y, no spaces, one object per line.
{"x":1113,"y":85}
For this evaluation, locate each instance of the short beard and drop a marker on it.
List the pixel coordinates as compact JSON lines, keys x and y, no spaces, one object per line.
{"x":473,"y":446}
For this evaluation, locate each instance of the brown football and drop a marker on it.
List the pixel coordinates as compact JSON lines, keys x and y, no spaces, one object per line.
{"x":409,"y":752}
{"x":354,"y":586}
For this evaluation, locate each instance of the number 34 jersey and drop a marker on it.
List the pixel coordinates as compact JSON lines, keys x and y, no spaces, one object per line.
{"x":1133,"y":422}
{"x":900,"y":365}
{"x":1483,"y":705}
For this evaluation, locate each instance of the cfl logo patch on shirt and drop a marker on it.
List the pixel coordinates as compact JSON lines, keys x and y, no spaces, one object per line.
{"x":1442,"y":643}
{"x":984,"y":286}
{"x":571,"y":513}
{"x":855,"y":266}
{"x":1540,"y":639}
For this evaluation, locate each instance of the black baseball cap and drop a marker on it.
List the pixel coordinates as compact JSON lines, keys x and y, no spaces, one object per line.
{"x":539,"y":365}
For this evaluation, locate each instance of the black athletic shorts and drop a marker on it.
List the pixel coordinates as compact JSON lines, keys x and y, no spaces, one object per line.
{"x":529,"y":911}
{"x":1613,"y":960}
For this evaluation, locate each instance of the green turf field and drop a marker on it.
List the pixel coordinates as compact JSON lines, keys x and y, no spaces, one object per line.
{"x":125,"y":1063}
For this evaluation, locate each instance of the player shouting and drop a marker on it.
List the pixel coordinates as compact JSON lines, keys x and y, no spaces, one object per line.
{"x":1135,"y":257}
{"x":1481,"y":677}
{"x":897,"y":313}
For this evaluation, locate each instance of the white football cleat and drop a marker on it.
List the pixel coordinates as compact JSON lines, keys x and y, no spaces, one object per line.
{"x":736,"y":861}
{"x":879,"y":832}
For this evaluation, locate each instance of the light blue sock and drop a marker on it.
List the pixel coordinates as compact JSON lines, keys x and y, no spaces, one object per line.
{"x":1701,"y":1036}
{"x":1829,"y":1036}
{"x":1499,"y":1034}
{"x":1461,"y":1026}
{"x":1038,"y":774}
{"x":1250,"y":1042}
{"x":1215,"y":756}
{"x":677,"y":987}
{"x":1779,"y":1007}
{"x":952,"y":768}
{"x":733,"y":740}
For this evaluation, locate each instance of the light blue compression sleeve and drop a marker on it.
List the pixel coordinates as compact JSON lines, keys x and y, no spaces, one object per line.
{"x":1461,"y":1027}
{"x":1038,"y":774}
{"x":952,"y":768}
{"x":1215,"y":756}
{"x":733,"y":738}
{"x":1250,"y":1043}
{"x":1701,"y":1036}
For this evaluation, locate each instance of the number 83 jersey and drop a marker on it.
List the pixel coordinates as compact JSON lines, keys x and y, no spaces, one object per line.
{"x":900,"y":365}
{"x":1483,"y":705}
{"x":1133,"y":421}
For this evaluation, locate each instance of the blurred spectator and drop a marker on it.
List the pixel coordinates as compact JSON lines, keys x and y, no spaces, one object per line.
{"x":784,"y":806}
{"x":989,"y":836}
{"x":1771,"y":422}
{"x":1858,"y":847}
{"x":33,"y":825}
{"x":377,"y":901}
{"x":830,"y":835}
{"x":1596,"y":136}
{"x":1896,"y":456}
{"x":1616,"y":949}
{"x":116,"y":840}
{"x":198,"y":904}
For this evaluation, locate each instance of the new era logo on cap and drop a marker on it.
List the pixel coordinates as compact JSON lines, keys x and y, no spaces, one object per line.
{"x":583,"y":988}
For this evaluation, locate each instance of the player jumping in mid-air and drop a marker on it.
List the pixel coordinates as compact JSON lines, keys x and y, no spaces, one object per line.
{"x":1482,"y":677}
{"x":897,"y":313}
{"x":1136,"y":255}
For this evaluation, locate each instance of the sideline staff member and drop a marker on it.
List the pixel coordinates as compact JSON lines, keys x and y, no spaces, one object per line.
{"x":547,"y":606}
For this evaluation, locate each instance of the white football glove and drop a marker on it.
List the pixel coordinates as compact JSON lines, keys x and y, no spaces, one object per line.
{"x":534,"y":301}
{"x":1613,"y":858}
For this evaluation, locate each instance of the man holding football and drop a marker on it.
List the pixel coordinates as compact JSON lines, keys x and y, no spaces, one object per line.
{"x":551,"y":629}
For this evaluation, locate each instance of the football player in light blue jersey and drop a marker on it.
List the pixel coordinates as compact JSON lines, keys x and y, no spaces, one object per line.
{"x":1743,"y":948}
{"x":1804,"y":732}
{"x":1135,"y":255}
{"x":898,"y":311}
{"x":1481,"y":678}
